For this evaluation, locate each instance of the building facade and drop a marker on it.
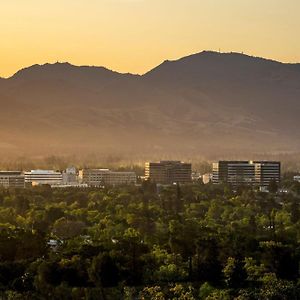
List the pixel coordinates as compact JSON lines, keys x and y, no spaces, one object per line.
{"x":255,"y":173}
{"x":69,"y":176}
{"x":267,"y":171}
{"x":40,"y":177}
{"x":168,"y":172}
{"x":106,"y":177}
{"x":12,"y":179}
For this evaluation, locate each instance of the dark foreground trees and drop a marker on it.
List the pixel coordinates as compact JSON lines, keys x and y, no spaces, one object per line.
{"x":187,"y":242}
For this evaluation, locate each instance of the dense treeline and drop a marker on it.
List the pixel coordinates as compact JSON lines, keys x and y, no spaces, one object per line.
{"x":180,"y":242}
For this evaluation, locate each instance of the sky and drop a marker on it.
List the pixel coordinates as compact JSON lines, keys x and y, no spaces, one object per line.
{"x":136,"y":35}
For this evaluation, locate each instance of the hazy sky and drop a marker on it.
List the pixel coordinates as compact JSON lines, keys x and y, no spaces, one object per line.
{"x":136,"y":35}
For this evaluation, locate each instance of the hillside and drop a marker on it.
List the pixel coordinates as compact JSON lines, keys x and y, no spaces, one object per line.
{"x":206,"y":104}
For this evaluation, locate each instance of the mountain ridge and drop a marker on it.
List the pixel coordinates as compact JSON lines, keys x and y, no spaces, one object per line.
{"x":204,"y":52}
{"x":206,"y":103}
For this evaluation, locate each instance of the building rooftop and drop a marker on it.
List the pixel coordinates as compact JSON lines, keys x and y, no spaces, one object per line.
{"x":10,"y":173}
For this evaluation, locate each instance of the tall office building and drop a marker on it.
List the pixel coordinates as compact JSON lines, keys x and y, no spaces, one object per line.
{"x":106,"y":177}
{"x":256,"y":173}
{"x":168,"y":172}
{"x":12,"y":179}
{"x":39,"y":177}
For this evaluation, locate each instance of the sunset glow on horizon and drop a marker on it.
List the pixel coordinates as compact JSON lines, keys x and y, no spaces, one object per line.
{"x":136,"y":35}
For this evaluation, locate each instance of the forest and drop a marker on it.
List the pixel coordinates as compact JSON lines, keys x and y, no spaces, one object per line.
{"x":148,"y":242}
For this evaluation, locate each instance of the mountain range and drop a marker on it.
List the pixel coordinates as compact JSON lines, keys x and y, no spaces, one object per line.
{"x":203,"y":105}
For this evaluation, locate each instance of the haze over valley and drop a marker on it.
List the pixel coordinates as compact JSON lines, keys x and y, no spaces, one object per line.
{"x":205,"y":105}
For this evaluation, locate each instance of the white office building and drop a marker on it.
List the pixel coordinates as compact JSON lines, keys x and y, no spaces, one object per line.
{"x":39,"y":177}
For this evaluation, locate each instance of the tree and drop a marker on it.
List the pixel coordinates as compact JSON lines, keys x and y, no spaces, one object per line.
{"x":234,"y":272}
{"x":21,"y":204}
{"x":66,"y":229}
{"x":53,"y":213}
{"x":104,"y":271}
{"x":205,"y":290}
{"x":209,"y":267}
{"x":152,"y":293}
{"x":273,"y":186}
{"x":277,"y":289}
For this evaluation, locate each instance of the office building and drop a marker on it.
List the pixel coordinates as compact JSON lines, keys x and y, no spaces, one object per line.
{"x":234,"y":172}
{"x":40,"y":177}
{"x":168,"y":172}
{"x":12,"y":179}
{"x":69,"y":176}
{"x":267,"y":171}
{"x":105,"y":177}
{"x":255,"y":173}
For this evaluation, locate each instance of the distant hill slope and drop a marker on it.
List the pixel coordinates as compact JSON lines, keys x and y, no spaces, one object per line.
{"x":204,"y":104}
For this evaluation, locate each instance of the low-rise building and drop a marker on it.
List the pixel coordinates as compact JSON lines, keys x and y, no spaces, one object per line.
{"x":106,"y":177}
{"x":69,"y":176}
{"x":40,"y":177}
{"x":12,"y":179}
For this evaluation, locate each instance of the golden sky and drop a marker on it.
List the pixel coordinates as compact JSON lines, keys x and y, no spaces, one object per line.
{"x":136,"y":35}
